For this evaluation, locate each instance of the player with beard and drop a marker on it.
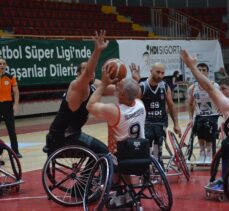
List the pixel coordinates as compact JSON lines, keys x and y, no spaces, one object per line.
{"x":72,"y":114}
{"x":155,"y":94}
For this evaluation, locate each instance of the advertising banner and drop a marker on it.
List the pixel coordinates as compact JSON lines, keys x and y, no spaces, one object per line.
{"x":147,"y":52}
{"x":37,"y":62}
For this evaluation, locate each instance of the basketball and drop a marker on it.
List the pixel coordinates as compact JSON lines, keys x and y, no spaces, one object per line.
{"x":117,"y":67}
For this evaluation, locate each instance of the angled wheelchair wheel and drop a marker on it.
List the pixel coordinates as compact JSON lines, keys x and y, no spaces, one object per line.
{"x":10,"y":167}
{"x":65,"y":174}
{"x":99,"y":183}
{"x":179,"y":157}
{"x":215,"y":165}
{"x":159,"y":188}
{"x":226,"y":184}
{"x":185,"y":137}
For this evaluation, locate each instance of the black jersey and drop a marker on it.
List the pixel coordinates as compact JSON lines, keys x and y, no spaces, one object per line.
{"x":67,"y":120}
{"x":154,"y":99}
{"x":226,"y":127}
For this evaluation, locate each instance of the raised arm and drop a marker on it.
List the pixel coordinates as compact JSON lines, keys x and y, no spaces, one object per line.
{"x":173,"y":112}
{"x":135,"y":72}
{"x":78,"y":89}
{"x":216,"y":95}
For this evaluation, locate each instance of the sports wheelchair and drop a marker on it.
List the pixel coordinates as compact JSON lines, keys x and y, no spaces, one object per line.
{"x":148,"y":180}
{"x":175,"y":163}
{"x":187,"y":143}
{"x":10,"y":170}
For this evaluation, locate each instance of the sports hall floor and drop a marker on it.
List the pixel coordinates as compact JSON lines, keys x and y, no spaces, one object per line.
{"x":32,"y":197}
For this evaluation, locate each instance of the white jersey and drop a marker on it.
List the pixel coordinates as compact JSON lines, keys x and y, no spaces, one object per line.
{"x":130,"y":125}
{"x":204,"y":104}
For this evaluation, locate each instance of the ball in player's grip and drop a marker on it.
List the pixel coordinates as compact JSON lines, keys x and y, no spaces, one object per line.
{"x":117,"y":67}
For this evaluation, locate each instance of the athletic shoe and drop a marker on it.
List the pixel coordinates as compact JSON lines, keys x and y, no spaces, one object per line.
{"x":208,"y":158}
{"x":218,"y":187}
{"x":19,"y":155}
{"x":188,"y":161}
{"x":201,"y":158}
{"x":216,"y":182}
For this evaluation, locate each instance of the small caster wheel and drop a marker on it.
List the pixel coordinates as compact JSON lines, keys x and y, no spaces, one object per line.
{"x":221,"y":197}
{"x":208,"y":195}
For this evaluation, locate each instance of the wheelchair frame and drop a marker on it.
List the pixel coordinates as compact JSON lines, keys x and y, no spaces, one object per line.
{"x":154,"y":180}
{"x":10,"y":170}
{"x":226,"y":184}
{"x":215,"y":165}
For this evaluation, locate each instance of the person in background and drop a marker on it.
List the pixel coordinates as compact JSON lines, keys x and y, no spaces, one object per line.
{"x":206,"y":118}
{"x":175,"y":79}
{"x":9,"y":104}
{"x":221,"y":100}
{"x":156,"y":94}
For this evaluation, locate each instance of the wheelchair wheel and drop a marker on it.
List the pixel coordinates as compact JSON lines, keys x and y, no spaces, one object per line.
{"x":179,"y":157}
{"x":215,"y":165}
{"x":10,"y":167}
{"x":65,"y":174}
{"x":99,"y":182}
{"x":185,"y":137}
{"x":186,"y":143}
{"x":226,"y":184}
{"x":160,"y":189}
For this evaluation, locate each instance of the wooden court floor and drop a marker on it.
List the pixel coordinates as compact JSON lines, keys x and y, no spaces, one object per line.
{"x":31,"y":137}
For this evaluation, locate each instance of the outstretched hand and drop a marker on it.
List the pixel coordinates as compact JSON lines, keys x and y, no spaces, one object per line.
{"x":100,"y":43}
{"x":106,"y":76}
{"x":190,"y":61}
{"x":135,"y":71}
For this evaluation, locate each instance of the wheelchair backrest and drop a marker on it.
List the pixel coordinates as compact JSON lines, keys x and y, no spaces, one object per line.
{"x":133,"y":149}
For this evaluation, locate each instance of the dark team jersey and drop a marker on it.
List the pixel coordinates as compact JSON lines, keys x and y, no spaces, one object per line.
{"x":67,"y":120}
{"x":226,"y":127}
{"x":154,"y":99}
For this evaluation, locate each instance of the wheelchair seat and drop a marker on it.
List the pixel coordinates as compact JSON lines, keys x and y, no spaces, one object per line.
{"x":133,"y":156}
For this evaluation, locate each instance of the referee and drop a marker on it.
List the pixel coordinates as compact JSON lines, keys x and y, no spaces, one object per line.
{"x":8,"y":104}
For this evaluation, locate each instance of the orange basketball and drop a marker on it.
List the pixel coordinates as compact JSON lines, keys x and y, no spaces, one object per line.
{"x":117,"y":67}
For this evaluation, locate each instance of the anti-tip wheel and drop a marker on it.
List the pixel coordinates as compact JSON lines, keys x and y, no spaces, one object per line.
{"x":221,"y":197}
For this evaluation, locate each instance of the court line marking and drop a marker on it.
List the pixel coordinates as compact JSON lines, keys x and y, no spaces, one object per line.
{"x":24,"y":198}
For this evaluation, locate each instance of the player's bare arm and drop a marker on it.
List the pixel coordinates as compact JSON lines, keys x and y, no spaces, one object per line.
{"x":217,"y":96}
{"x":79,"y":90}
{"x":173,"y":112}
